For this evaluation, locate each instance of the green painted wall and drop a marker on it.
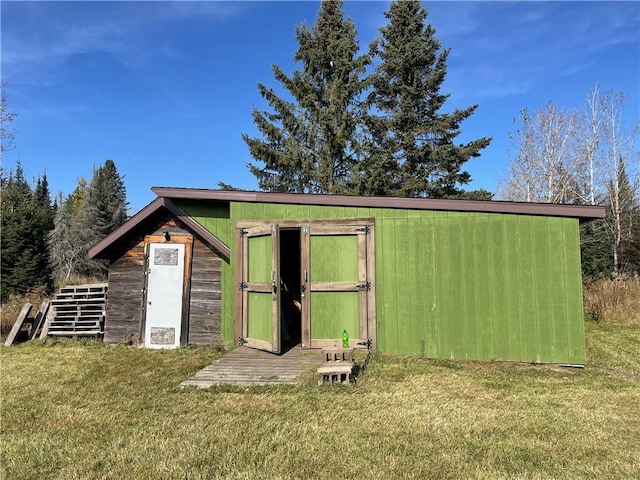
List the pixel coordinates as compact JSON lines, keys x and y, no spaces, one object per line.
{"x":452,"y":284}
{"x":215,"y":217}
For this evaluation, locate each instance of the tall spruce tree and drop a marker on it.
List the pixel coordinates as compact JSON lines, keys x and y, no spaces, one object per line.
{"x":107,"y":196}
{"x":310,"y":143}
{"x":17,"y":224}
{"x":411,"y":150}
{"x":43,"y":213}
{"x":25,"y":219}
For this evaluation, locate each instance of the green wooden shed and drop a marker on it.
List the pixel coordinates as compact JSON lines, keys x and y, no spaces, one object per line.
{"x":454,"y":279}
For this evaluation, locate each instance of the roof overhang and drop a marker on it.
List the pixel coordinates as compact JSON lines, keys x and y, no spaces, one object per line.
{"x":582,"y":212}
{"x":160,"y":203}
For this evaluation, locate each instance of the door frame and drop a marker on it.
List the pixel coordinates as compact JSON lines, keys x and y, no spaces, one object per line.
{"x":366,"y":247}
{"x":187,"y":240}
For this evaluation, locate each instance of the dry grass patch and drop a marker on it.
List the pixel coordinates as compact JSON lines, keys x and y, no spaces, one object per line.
{"x":11,"y":309}
{"x":613,"y":301}
{"x":82,"y":410}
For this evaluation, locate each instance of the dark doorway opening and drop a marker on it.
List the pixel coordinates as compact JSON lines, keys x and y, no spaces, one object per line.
{"x":290,"y":294}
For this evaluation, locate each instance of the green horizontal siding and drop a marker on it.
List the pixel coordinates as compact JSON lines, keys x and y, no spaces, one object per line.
{"x":452,"y":284}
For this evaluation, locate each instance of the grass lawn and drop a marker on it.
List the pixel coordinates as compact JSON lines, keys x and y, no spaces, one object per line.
{"x":73,"y":409}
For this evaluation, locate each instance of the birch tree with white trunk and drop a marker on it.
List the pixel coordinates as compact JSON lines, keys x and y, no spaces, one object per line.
{"x":619,"y":178}
{"x":589,"y":157}
{"x":541,"y":168}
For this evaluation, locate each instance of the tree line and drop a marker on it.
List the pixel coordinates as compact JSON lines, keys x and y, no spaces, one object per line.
{"x":358,"y":122}
{"x":45,"y":242}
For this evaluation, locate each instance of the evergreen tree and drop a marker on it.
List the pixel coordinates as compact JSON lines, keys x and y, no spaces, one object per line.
{"x":480,"y":194}
{"x":108,"y":198}
{"x":23,"y":223}
{"x":310,"y":144}
{"x":43,"y":213}
{"x":596,"y":251}
{"x":410,"y":152}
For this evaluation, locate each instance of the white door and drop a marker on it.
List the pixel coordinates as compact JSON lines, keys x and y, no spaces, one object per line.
{"x":165,"y":278}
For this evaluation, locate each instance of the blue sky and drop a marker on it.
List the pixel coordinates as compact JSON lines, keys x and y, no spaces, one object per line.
{"x":166,"y":89}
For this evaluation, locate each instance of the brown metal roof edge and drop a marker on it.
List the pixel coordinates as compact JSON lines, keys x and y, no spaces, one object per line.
{"x":205,"y":235}
{"x":125,"y":228}
{"x":583,"y":212}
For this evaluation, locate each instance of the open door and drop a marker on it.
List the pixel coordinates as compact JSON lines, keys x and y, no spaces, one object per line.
{"x":260,"y":287}
{"x":335,"y":265}
{"x":339,"y":282}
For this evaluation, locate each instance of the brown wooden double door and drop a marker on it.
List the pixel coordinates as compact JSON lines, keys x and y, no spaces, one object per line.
{"x":305,"y":282}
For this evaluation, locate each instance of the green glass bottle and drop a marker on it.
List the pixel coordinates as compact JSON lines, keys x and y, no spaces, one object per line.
{"x":345,"y":339}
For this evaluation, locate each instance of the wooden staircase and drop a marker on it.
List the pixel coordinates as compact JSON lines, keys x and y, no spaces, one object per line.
{"x":77,"y":310}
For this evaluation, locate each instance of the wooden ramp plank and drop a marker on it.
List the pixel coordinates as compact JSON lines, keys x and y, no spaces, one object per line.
{"x":39,"y":319}
{"x":246,"y":366}
{"x":22,"y":316}
{"x":47,"y":323}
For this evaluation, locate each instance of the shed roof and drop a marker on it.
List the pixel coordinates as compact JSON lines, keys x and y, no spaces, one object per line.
{"x":167,"y":194}
{"x":160,"y":203}
{"x":582,"y":212}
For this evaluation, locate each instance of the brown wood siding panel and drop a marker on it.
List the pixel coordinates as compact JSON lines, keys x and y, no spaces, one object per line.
{"x":124,"y":300}
{"x":205,"y":304}
{"x":127,"y":282}
{"x":168,"y":224}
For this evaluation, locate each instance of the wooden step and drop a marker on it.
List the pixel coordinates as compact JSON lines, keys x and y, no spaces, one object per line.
{"x":89,"y":309}
{"x":75,"y":333}
{"x":93,"y":287}
{"x":98,"y":297}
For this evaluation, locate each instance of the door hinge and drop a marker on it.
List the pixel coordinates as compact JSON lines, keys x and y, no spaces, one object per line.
{"x":242,"y":232}
{"x":242,"y":286}
{"x":364,"y":229}
{"x":241,"y":341}
{"x":367,"y":343}
{"x":364,"y":286}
